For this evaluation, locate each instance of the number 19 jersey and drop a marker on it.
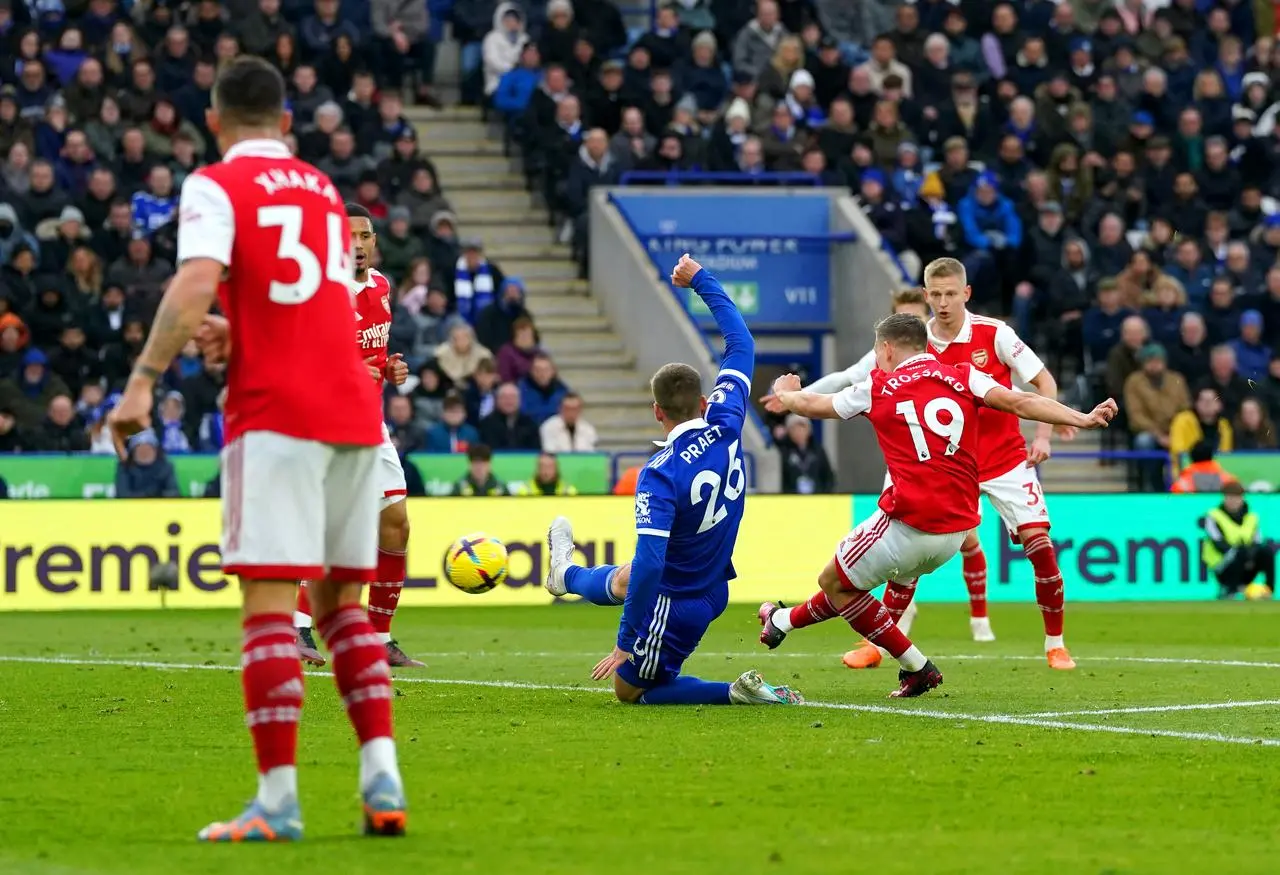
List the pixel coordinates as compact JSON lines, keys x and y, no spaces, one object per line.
{"x":279,"y":228}
{"x":925,"y":415}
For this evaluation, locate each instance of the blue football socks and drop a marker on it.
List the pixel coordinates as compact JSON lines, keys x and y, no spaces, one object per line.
{"x":686,"y":690}
{"x":592,"y":584}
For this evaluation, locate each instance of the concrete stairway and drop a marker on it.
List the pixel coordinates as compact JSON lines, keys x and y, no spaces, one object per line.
{"x":487,"y":191}
{"x":1079,"y":475}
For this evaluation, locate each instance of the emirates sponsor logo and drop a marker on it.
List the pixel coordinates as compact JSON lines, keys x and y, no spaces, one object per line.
{"x":375,"y":336}
{"x":980,"y":358}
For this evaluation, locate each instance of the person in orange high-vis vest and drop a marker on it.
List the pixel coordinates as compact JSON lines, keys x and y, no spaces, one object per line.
{"x":1203,"y":474}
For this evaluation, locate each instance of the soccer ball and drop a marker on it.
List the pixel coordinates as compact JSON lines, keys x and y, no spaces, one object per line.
{"x":1257,"y":592}
{"x":476,"y":563}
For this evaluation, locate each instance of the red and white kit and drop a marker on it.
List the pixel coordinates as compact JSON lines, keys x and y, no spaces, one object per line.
{"x":1010,"y":484}
{"x":297,"y":470}
{"x":926,"y":417}
{"x":372,"y":301}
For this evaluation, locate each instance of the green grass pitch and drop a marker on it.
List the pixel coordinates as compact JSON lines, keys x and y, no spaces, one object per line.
{"x":122,"y":735}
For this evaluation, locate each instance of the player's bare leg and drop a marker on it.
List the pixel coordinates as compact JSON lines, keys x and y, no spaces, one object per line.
{"x":601,"y":585}
{"x":302,"y":622}
{"x":384,"y":596}
{"x":272,"y":681}
{"x":363,"y":678}
{"x":1049,"y":593}
{"x":899,"y":601}
{"x":974,"y":562}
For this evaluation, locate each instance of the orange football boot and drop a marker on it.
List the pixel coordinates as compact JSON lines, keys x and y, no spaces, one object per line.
{"x":865,"y":656}
{"x":1060,"y":659}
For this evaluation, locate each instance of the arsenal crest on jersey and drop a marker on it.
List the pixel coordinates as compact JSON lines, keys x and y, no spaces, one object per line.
{"x":386,"y":302}
{"x":979,"y":358}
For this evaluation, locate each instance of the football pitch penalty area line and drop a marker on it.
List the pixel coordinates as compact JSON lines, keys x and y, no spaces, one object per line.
{"x":1043,"y":721}
{"x":1154,"y":709}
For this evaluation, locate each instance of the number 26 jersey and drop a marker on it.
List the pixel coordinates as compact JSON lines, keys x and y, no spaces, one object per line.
{"x":925,"y":415}
{"x":279,"y":228}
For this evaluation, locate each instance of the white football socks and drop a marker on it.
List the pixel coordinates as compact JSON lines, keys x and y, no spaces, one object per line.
{"x":912,"y":659}
{"x":378,"y":756}
{"x":301,"y":620}
{"x":1052,"y":642}
{"x":781,"y":620}
{"x":384,"y":637}
{"x":277,"y":786}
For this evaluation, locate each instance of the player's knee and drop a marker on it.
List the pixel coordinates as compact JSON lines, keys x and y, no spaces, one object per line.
{"x":626,"y":693}
{"x":971,"y":543}
{"x":829,"y":580}
{"x":618,"y":585}
{"x":269,"y":597}
{"x":328,"y":596}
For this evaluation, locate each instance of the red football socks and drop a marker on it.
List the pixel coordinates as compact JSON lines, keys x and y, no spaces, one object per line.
{"x":360,"y":670}
{"x":304,"y":602}
{"x":1049,"y":589}
{"x":815,"y":610}
{"x":975,"y":578}
{"x":898,"y":595}
{"x":869,"y":618}
{"x":384,"y":596}
{"x":272,"y":679}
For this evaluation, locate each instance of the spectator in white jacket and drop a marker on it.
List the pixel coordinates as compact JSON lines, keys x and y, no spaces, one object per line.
{"x":502,"y":45}
{"x":568,"y":432}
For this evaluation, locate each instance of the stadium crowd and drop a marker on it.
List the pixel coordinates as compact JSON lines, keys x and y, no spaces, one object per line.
{"x":102,"y":117}
{"x":1106,"y":170}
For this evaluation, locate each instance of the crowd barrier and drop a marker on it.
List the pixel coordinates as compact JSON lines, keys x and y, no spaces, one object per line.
{"x":66,"y":555}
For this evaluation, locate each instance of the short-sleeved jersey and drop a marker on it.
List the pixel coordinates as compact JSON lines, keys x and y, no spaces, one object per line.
{"x":994,"y":348}
{"x":373,"y":318}
{"x":279,"y":228}
{"x":693,"y":491}
{"x":926,"y":417}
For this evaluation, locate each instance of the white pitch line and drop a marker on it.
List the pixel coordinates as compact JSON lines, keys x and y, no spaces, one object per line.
{"x":745,"y":654}
{"x":1155,"y":709}
{"x":955,"y":716}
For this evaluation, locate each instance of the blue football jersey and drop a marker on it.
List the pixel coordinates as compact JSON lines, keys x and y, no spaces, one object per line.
{"x":693,"y":492}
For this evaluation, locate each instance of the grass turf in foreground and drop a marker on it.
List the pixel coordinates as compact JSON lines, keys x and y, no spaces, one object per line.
{"x":111,"y":768}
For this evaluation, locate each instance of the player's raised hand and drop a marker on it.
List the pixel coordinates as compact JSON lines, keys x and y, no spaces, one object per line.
{"x":130,"y":416}
{"x":785,"y":383}
{"x":607,"y":666}
{"x":372,"y":364}
{"x":213,"y":337}
{"x":397,"y":369}
{"x":772,"y":404}
{"x":1101,"y":416}
{"x":685,"y":271}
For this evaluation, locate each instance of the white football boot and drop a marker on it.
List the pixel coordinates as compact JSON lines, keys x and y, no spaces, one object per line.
{"x":560,"y":550}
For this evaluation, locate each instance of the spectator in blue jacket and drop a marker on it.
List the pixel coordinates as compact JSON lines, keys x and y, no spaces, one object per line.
{"x":993,"y":233}
{"x":157,"y":205}
{"x":146,"y":474}
{"x":318,"y":31}
{"x":1252,"y":356}
{"x":452,"y":434}
{"x":541,"y":390}
{"x":1102,"y":321}
{"x":515,"y":88}
{"x":1189,"y":269}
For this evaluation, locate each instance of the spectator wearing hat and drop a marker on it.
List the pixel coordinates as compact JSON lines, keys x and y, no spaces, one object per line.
{"x":1233,"y":548}
{"x":171,"y":423}
{"x":1153,"y":396}
{"x":428,"y":396}
{"x":476,"y":280}
{"x":992,"y":234}
{"x":754,"y":45}
{"x":830,"y":72}
{"x":146,"y":473}
{"x":503,"y":44}
{"x":50,"y":314}
{"x":1252,"y":355}
{"x":933,"y":229}
{"x":604,"y":98}
{"x":14,"y":338}
{"x":802,"y":103}
{"x":29,"y":393}
{"x":12,"y":234}
{"x":560,"y":33}
{"x":398,"y":246}
{"x":884,"y":212}
{"x":70,"y":233}
{"x":73,"y":360}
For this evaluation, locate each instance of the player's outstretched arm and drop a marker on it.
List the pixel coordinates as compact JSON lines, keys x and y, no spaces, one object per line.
{"x":1027,"y":405}
{"x":739,"y":346}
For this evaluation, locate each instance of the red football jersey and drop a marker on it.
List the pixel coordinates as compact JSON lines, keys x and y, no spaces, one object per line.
{"x":373,"y":318}
{"x":279,"y":227}
{"x":994,"y":348}
{"x":925,"y":414}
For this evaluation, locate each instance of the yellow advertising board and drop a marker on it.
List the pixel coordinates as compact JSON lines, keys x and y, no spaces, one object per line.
{"x":73,"y":555}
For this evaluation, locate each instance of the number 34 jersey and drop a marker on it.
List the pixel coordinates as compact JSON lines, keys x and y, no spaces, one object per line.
{"x":925,"y":414}
{"x":279,"y":228}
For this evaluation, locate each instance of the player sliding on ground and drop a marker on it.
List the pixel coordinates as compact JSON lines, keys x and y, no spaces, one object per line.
{"x":266,"y":235}
{"x":689,"y":501}
{"x":925,"y":416}
{"x":371,"y":295}
{"x":1006,"y":465}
